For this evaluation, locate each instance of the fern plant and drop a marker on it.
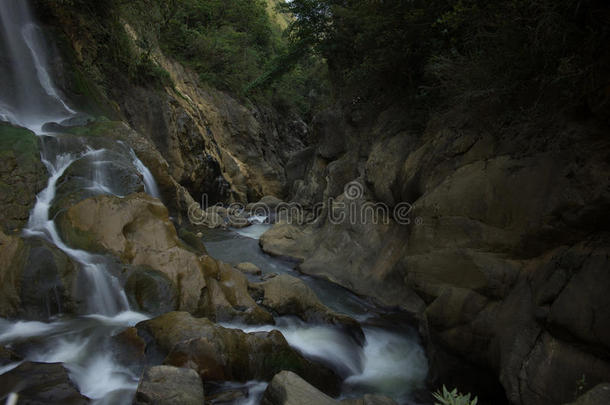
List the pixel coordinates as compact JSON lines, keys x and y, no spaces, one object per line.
{"x":446,"y":397}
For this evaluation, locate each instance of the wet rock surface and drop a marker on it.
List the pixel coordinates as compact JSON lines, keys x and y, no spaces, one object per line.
{"x":222,"y":354}
{"x":138,"y":231}
{"x":288,"y":295}
{"x":41,"y":383}
{"x":495,"y":251}
{"x":166,"y":385}
{"x":287,"y":388}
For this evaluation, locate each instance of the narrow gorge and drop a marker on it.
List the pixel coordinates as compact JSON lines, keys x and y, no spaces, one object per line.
{"x":305,"y":202}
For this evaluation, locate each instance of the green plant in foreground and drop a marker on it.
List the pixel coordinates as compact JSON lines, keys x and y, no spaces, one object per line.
{"x":446,"y":397}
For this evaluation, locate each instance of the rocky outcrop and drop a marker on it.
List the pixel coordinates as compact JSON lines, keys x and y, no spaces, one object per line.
{"x":151,"y":291}
{"x":287,"y":388}
{"x":226,"y":298}
{"x":38,"y":281}
{"x":116,"y":138}
{"x":288,"y":295}
{"x":166,"y":385}
{"x":137,"y":230}
{"x":41,"y":383}
{"x":221,"y":354}
{"x":492,"y":239}
{"x":49,"y":283}
{"x":22,"y":176}
{"x":215,"y":145}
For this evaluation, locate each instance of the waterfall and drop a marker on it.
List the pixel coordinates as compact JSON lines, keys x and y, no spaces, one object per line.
{"x":33,"y":101}
{"x":27,"y":95}
{"x":29,"y":98}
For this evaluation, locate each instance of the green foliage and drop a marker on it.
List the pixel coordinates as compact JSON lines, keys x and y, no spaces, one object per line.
{"x":446,"y":397}
{"x":521,"y":53}
{"x":226,"y":42}
{"x":19,"y":140}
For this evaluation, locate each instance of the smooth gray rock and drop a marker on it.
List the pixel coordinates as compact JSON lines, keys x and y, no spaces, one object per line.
{"x":167,"y":385}
{"x":287,"y":388}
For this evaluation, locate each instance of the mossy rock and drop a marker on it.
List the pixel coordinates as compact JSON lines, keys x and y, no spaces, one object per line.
{"x":100,"y":127}
{"x":22,"y":175}
{"x":22,"y":142}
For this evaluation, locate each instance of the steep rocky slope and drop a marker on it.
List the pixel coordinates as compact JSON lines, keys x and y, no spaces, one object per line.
{"x":231,"y":150}
{"x":503,"y":255}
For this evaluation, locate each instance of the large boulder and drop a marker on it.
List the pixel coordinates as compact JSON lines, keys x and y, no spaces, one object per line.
{"x":38,"y":280}
{"x":110,"y":171}
{"x":41,"y":383}
{"x":22,"y":175}
{"x":287,"y":388}
{"x":226,"y":298}
{"x":222,"y":354}
{"x":151,"y":291}
{"x":288,"y":295}
{"x":137,"y":230}
{"x":288,"y":240}
{"x":50,"y":283}
{"x":167,"y":385}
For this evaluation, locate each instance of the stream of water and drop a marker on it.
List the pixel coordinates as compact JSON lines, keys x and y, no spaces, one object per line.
{"x":390,"y":362}
{"x":28,"y":98}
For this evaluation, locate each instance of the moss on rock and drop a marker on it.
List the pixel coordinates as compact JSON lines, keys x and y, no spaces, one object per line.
{"x":22,"y":175}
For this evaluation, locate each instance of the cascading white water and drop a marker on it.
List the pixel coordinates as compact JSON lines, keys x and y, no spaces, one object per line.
{"x":149,"y":181}
{"x":29,"y":98}
{"x":391,"y":363}
{"x":27,"y":95}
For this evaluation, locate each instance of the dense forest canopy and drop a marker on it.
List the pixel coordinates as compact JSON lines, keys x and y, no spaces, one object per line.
{"x":526,"y":52}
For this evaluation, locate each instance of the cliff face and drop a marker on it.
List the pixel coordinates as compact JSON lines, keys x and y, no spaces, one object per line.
{"x":214,"y":144}
{"x":503,"y":256}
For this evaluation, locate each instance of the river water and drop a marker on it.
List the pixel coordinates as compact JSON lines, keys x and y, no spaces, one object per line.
{"x":391,"y":361}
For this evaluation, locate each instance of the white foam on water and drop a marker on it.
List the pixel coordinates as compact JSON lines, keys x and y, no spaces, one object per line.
{"x":101,"y":375}
{"x":126,"y":318}
{"x":150,"y":185}
{"x":254,"y":231}
{"x":390,"y":363}
{"x":321,"y":341}
{"x":27,"y":329}
{"x":256,"y":389}
{"x":394,"y":364}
